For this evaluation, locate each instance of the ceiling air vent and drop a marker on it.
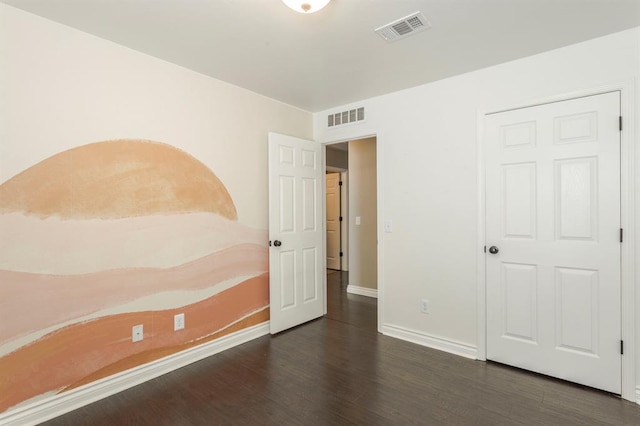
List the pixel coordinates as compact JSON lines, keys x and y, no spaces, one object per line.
{"x":345,"y":117}
{"x":404,"y":27}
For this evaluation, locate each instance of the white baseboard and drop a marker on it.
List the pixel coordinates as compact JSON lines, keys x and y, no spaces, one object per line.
{"x":637,"y":394}
{"x":362,"y":291}
{"x":57,"y":405}
{"x":434,"y":342}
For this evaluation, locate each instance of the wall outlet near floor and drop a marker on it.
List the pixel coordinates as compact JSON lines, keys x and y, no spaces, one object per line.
{"x":178,"y":322}
{"x":424,"y":306}
{"x":137,"y":333}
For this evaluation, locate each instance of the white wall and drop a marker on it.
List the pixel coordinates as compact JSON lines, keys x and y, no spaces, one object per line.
{"x":363,"y":250}
{"x":429,"y":173}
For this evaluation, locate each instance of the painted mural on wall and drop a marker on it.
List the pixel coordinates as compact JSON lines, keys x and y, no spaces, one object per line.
{"x":110,"y":235}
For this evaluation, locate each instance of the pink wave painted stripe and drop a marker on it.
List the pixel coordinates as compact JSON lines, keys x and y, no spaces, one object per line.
{"x":66,"y":356}
{"x":31,"y":302}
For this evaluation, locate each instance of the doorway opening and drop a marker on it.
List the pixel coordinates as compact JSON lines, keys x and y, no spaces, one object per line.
{"x":352,"y":217}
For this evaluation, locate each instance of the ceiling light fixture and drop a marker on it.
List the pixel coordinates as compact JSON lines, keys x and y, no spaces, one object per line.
{"x":306,"y":6}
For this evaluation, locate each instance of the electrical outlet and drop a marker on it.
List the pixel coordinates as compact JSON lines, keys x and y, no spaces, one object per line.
{"x":424,"y":306}
{"x":137,"y":333}
{"x":178,"y":322}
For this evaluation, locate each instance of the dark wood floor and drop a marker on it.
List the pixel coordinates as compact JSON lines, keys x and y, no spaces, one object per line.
{"x":338,"y":370}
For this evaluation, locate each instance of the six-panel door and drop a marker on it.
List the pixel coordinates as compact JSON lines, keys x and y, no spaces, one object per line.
{"x":296,"y":261}
{"x":553,"y":212}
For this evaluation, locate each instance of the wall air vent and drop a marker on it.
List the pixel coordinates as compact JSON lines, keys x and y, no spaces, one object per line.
{"x":403,"y":27}
{"x":345,"y":117}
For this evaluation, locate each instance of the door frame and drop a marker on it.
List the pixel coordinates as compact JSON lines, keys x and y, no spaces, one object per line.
{"x":380,"y":198}
{"x":628,"y":209}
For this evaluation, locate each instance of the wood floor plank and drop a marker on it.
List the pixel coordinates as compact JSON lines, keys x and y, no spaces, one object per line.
{"x":339,"y":371}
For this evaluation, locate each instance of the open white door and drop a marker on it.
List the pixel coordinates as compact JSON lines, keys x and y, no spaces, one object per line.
{"x":553,"y":239}
{"x":296,"y":231}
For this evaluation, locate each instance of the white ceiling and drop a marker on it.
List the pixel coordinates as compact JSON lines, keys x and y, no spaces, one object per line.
{"x":333,"y":57}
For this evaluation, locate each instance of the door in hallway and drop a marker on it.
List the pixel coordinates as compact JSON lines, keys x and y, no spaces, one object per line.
{"x":333,"y":220}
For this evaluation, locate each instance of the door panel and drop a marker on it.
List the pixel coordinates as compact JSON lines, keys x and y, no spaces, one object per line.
{"x":296,"y":265}
{"x":310,"y":266}
{"x":553,"y":212}
{"x":577,"y":310}
{"x":576,"y":198}
{"x":287,"y":279}
{"x":519,"y":296}
{"x":519,"y":200}
{"x":309,"y":205}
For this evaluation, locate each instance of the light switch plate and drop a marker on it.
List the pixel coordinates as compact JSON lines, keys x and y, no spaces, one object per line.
{"x":357,"y":220}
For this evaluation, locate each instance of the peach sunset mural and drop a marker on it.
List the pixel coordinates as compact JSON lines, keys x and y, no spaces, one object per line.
{"x":109,"y":235}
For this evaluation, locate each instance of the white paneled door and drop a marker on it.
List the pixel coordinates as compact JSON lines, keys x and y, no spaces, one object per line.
{"x":296,"y":232}
{"x":553,"y":239}
{"x":333,"y":220}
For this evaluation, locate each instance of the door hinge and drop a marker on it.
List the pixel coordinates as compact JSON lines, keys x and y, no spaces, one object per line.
{"x":485,"y":249}
{"x":340,"y":218}
{"x":621,"y":347}
{"x":341,"y":254}
{"x":621,"y":235}
{"x":620,"y":123}
{"x":340,"y":183}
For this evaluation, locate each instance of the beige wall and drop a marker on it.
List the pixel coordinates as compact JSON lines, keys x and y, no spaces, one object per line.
{"x":363,"y":252}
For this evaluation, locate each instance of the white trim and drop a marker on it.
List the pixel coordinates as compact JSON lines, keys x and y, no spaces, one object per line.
{"x":481,"y":290}
{"x":381,"y":235}
{"x":430,"y":341}
{"x":57,"y":405}
{"x":638,"y":395}
{"x":362,"y":291}
{"x":628,"y":208}
{"x":323,"y":196}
